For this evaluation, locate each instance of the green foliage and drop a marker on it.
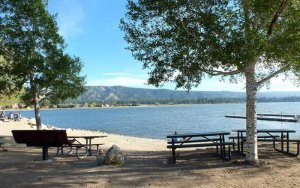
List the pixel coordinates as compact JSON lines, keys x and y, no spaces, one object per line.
{"x":183,"y":41}
{"x":7,"y":101}
{"x":9,"y":83}
{"x":34,"y":54}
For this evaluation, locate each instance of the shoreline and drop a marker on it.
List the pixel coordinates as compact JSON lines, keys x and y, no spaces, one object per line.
{"x":128,"y":143}
{"x":139,"y":106}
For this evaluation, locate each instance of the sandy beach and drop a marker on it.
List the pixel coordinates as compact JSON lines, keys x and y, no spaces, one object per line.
{"x":147,"y":166}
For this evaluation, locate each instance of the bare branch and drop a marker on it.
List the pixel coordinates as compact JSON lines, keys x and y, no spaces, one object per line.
{"x":272,"y":75}
{"x":276,"y":15}
{"x":221,"y":73}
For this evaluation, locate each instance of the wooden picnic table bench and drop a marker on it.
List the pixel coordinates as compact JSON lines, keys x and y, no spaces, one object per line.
{"x":42,"y":138}
{"x":209,"y":139}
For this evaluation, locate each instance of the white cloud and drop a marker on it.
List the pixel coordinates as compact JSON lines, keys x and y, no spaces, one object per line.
{"x":70,"y":18}
{"x":119,"y":81}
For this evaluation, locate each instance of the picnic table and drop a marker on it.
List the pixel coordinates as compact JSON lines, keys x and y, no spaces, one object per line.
{"x":268,"y":135}
{"x":205,"y":139}
{"x":88,"y":142}
{"x":41,"y":138}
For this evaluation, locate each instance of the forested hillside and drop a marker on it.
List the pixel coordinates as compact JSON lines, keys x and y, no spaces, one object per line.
{"x":139,"y":95}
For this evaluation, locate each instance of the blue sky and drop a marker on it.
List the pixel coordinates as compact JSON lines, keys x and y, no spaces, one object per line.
{"x":91,"y":30}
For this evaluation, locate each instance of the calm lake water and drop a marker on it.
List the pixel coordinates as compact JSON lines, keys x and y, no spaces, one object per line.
{"x":157,"y":122}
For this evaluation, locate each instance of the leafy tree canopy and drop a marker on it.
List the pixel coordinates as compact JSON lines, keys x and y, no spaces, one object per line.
{"x":34,"y":57}
{"x":183,"y":41}
{"x":33,"y":51}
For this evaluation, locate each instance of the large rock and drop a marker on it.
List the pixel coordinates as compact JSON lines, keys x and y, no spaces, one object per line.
{"x":113,"y":156}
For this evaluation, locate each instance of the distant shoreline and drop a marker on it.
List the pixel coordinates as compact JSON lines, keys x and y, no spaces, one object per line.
{"x":80,"y":108}
{"x":138,"y":106}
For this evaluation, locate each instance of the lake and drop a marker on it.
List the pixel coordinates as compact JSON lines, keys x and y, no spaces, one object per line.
{"x":159,"y":121}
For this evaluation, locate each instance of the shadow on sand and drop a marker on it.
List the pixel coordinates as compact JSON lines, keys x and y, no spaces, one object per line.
{"x":23,"y":167}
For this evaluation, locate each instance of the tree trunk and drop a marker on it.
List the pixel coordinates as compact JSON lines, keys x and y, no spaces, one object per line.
{"x":251,"y":91}
{"x":37,"y":112}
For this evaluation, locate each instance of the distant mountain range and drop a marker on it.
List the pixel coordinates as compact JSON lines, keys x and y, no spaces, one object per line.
{"x":120,"y":93}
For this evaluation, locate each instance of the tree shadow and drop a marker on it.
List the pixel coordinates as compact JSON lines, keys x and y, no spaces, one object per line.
{"x":23,"y":167}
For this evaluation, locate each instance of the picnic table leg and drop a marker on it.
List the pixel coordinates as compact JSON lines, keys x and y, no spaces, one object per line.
{"x":88,"y":143}
{"x":97,"y":151}
{"x":217,"y":149}
{"x":281,"y":141}
{"x":173,"y":152}
{"x":90,"y":146}
{"x":223,"y":146}
{"x":297,"y":148}
{"x":174,"y":155}
{"x":242,"y":143}
{"x":45,"y":153}
{"x":238,"y":141}
{"x":287,"y":142}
